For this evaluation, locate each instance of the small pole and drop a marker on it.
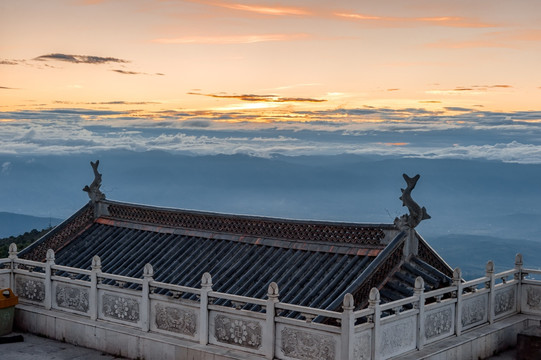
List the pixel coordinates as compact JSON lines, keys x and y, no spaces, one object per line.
{"x":94,"y":273}
{"x":490,"y":286}
{"x":419,"y":291}
{"x":148,"y":273}
{"x":49,"y":261}
{"x":272,"y":294}
{"x":206,"y":287}
{"x":347,"y":326}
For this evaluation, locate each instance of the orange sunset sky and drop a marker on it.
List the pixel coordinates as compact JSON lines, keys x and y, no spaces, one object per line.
{"x":272,"y":60}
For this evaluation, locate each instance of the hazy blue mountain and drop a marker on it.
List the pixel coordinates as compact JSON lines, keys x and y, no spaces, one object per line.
{"x":470,"y":197}
{"x":471,"y":253}
{"x":16,"y":224}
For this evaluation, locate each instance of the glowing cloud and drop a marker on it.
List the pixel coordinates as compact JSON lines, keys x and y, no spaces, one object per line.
{"x":264,"y":10}
{"x":232,"y":39}
{"x":447,"y":21}
{"x":259,"y":98}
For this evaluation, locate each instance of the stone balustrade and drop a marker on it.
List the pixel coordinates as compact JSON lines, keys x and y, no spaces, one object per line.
{"x":268,"y":328}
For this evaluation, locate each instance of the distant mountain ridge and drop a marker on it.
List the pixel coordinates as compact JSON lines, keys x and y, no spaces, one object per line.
{"x":471,"y":252}
{"x":16,"y":224}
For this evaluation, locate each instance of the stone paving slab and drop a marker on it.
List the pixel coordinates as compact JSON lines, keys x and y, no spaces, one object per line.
{"x":35,"y":347}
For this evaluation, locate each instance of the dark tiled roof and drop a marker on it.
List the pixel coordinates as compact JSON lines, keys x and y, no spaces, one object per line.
{"x":314,"y":263}
{"x":402,"y":282}
{"x":305,"y":277}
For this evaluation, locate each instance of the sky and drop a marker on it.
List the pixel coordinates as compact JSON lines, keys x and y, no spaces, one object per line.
{"x":420,"y":78}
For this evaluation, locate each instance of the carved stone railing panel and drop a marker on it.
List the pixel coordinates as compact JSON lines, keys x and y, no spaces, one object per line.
{"x":474,"y":311}
{"x":362,"y":345}
{"x":71,"y":297}
{"x":305,"y":344}
{"x":505,"y":301}
{"x":398,"y":336}
{"x":439,"y":323}
{"x":30,"y":288}
{"x":174,"y":319}
{"x":236,"y":331}
{"x":119,"y":307}
{"x":4,"y":281}
{"x":531,"y":299}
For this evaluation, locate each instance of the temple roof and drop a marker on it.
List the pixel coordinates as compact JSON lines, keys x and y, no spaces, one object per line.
{"x":314,"y":263}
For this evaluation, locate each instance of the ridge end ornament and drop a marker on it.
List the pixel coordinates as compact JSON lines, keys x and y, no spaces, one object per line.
{"x":416,"y":212}
{"x":93,"y":190}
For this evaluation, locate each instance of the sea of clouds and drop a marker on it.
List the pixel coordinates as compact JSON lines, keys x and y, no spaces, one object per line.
{"x":468,"y":134}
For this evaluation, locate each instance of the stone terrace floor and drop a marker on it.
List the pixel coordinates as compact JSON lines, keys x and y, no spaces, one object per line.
{"x":35,"y":347}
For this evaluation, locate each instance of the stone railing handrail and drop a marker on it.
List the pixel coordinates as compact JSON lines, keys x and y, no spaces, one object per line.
{"x":268,"y":327}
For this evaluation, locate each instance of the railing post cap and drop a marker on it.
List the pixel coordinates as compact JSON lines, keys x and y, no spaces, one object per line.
{"x":49,"y":257}
{"x":419,"y":283}
{"x":206,"y":280}
{"x":273,"y":290}
{"x":148,"y":270}
{"x":96,"y":263}
{"x":490,"y":266}
{"x":374,"y":295}
{"x":12,"y":250}
{"x":518,"y":259}
{"x":349,"y":302}
{"x":457,"y":274}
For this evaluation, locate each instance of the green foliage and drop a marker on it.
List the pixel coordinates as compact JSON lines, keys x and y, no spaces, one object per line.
{"x":22,"y":241}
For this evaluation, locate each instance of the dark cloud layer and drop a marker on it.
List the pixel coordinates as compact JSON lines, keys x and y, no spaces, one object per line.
{"x":80,"y":59}
{"x":259,"y":98}
{"x":10,"y":62}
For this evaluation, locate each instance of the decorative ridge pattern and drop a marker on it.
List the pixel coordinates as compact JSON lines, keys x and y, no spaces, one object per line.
{"x":61,"y":235}
{"x":259,"y":227}
{"x":428,"y":255}
{"x":377,"y":277}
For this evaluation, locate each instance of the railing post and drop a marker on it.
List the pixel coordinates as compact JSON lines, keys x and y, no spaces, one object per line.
{"x":49,"y":261}
{"x":348,"y":327}
{"x":373,"y":303}
{"x":12,"y":257}
{"x":490,"y":286}
{"x":269,"y":343}
{"x":419,"y":291}
{"x":206,"y":287}
{"x":94,"y":273}
{"x":457,"y":282}
{"x":148,"y":273}
{"x":518,"y":266}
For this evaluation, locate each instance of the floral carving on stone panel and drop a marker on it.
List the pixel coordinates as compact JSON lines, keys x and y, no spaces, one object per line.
{"x":533,"y":298}
{"x":4,"y":281}
{"x":438,"y":323}
{"x":474,"y":310}
{"x":238,"y":332}
{"x":398,"y":336}
{"x":120,"y":308}
{"x":504,"y":301}
{"x":72,"y":298}
{"x":362,"y":346}
{"x":176,"y":320}
{"x":300,"y":344}
{"x":30,"y":289}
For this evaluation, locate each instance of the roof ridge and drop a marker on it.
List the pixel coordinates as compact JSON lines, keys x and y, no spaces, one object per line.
{"x":366,"y":234}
